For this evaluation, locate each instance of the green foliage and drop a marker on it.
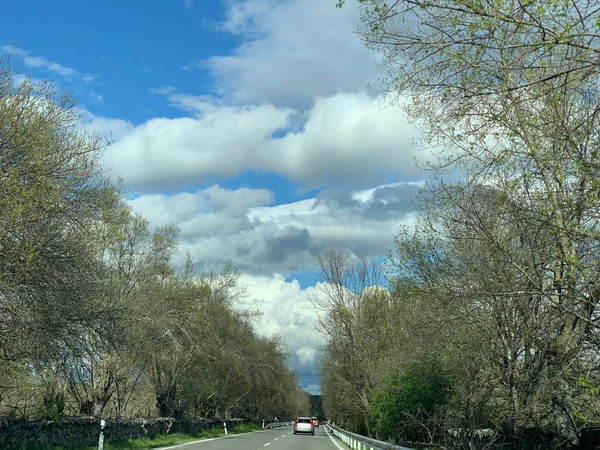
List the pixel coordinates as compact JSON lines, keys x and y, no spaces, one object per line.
{"x":52,"y":406}
{"x":405,"y":395}
{"x":316,"y":407}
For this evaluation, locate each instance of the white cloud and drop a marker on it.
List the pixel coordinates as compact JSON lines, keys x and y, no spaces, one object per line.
{"x":293,"y":50}
{"x":37,"y":62}
{"x":188,"y":3}
{"x":306,"y":355}
{"x":345,"y":139}
{"x":260,"y":239}
{"x":170,"y":153}
{"x":288,"y":312}
{"x":109,"y":128}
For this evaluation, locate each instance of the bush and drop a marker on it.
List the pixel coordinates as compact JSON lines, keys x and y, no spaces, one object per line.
{"x":403,"y":405}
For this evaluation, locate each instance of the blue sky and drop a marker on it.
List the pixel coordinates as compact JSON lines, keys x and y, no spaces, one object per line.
{"x":246,"y":122}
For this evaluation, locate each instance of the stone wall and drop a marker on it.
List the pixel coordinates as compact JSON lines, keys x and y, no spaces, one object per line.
{"x":84,"y":431}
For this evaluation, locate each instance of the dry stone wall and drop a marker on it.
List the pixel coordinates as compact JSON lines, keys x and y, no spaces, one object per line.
{"x":84,"y":431}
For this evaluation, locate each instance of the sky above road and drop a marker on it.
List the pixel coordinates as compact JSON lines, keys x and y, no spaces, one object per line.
{"x":248,"y":123}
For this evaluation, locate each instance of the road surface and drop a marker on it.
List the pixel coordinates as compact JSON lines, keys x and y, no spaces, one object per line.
{"x":275,"y":439}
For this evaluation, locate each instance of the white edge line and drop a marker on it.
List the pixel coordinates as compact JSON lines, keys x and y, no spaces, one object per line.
{"x":208,"y":440}
{"x":334,"y":441}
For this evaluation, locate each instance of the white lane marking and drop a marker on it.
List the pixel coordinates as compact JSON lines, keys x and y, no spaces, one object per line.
{"x":207,"y":440}
{"x":284,"y":435}
{"x":276,"y":438}
{"x":334,"y":440}
{"x":268,"y":443}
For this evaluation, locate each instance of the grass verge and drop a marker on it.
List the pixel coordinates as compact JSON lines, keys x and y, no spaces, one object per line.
{"x":161,"y":440}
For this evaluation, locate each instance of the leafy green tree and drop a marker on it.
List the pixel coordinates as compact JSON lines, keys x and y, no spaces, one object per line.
{"x":405,"y":396}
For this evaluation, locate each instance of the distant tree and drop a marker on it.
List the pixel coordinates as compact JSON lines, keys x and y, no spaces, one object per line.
{"x":316,"y":407}
{"x":354,"y":317}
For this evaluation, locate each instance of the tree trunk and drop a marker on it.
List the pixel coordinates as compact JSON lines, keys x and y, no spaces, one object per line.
{"x":164,"y":402}
{"x":562,"y":404}
{"x":562,"y":411}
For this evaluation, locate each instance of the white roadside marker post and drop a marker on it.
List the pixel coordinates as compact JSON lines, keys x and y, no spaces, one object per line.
{"x":263,"y":423}
{"x":225,"y":426}
{"x":101,"y":439}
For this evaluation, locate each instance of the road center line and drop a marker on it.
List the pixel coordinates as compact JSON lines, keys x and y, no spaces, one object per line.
{"x":268,"y":443}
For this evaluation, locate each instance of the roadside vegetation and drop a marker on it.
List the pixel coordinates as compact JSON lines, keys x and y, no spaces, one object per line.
{"x":486,"y":315}
{"x":161,"y":440}
{"x":95,"y":320}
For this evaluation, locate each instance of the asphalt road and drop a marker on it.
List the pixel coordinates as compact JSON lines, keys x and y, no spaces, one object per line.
{"x":276,"y":439}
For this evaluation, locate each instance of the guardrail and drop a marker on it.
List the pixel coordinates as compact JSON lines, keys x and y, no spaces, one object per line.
{"x":358,"y":442}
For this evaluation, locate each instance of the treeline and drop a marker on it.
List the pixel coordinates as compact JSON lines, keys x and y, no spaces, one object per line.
{"x":94,"y":319}
{"x":486,"y":316}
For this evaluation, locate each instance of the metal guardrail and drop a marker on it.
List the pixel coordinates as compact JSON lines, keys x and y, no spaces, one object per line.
{"x":358,"y":442}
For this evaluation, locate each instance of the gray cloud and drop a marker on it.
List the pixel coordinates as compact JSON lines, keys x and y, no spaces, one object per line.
{"x":240,"y":225}
{"x":280,"y":248}
{"x":386,"y":202}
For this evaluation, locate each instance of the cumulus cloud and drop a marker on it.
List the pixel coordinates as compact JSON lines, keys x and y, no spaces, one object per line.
{"x":345,"y":139}
{"x":261,"y":239}
{"x":111,"y":128}
{"x":292,"y":51}
{"x":287,"y":311}
{"x":306,"y":355}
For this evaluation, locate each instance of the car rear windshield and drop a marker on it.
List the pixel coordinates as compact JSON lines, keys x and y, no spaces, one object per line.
{"x":303,"y":420}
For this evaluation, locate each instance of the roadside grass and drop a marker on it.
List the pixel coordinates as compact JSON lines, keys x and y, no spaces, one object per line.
{"x":161,"y":440}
